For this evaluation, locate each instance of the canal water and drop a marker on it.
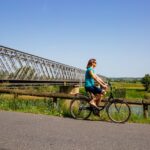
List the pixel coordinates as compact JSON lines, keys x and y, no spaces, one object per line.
{"x":138,"y":110}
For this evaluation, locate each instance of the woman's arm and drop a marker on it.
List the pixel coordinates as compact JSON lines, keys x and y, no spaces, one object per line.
{"x":98,"y":79}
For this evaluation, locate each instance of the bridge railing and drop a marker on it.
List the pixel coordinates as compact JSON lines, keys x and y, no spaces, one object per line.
{"x":17,"y":65}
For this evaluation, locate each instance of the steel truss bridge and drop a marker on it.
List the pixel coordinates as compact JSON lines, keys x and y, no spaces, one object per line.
{"x":20,"y":67}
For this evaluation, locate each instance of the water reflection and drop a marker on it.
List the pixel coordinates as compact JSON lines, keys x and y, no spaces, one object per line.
{"x":138,"y":110}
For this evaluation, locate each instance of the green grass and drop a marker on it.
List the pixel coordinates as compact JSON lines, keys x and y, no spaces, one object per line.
{"x":135,"y":93}
{"x":46,"y":106}
{"x":34,"y":105}
{"x":27,"y":104}
{"x":138,"y":119}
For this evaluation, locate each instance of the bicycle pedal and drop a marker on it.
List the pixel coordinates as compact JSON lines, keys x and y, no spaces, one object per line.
{"x":96,"y":112}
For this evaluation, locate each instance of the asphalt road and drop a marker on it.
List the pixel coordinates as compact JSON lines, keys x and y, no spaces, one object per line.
{"x":24,"y":131}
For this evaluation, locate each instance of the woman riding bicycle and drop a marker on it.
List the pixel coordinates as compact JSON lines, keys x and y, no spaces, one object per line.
{"x":90,"y":77}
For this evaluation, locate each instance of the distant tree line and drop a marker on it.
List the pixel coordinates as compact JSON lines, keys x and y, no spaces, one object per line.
{"x":123,"y":79}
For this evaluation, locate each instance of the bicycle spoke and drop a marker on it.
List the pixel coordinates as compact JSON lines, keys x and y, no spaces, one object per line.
{"x":118,"y":107}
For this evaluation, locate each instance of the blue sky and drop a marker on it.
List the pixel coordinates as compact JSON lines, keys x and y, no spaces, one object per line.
{"x":115,"y":32}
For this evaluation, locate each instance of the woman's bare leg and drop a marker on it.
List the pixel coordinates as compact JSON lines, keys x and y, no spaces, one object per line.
{"x":93,"y":101}
{"x":98,"y":99}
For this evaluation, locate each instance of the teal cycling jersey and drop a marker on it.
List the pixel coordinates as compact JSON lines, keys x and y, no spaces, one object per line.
{"x":89,"y":81}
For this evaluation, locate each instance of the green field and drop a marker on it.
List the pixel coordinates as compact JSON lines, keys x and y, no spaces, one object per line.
{"x":133,"y":90}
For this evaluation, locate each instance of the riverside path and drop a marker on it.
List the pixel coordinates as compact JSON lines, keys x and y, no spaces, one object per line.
{"x":24,"y":131}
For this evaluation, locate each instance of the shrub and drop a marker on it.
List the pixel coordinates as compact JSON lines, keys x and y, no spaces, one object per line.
{"x":146,"y":82}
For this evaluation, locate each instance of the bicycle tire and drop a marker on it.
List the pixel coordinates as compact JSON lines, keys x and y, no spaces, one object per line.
{"x":119,"y":111}
{"x":80,"y":109}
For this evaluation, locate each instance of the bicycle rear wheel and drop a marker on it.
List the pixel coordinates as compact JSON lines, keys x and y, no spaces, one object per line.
{"x":118,"y":111}
{"x":80,"y":109}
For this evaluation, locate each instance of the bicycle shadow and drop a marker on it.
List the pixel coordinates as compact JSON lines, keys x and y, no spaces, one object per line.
{"x":92,"y":120}
{"x":99,"y":120}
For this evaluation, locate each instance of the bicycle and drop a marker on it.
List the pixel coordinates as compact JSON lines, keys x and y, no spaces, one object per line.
{"x":117,"y":110}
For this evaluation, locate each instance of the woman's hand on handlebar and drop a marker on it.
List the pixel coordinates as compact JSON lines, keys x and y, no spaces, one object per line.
{"x":105,"y":86}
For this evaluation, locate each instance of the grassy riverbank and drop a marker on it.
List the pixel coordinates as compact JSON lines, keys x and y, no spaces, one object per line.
{"x":46,"y":106}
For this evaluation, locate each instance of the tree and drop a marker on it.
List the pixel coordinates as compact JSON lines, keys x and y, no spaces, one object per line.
{"x":146,"y":81}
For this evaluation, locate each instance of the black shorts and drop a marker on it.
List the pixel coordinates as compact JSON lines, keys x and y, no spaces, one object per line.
{"x":94,"y":89}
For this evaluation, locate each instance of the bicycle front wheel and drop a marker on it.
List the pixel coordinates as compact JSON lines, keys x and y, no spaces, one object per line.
{"x":80,"y":109}
{"x":119,"y":111}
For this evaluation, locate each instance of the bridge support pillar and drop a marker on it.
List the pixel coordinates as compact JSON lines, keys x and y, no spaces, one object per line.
{"x":69,"y":89}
